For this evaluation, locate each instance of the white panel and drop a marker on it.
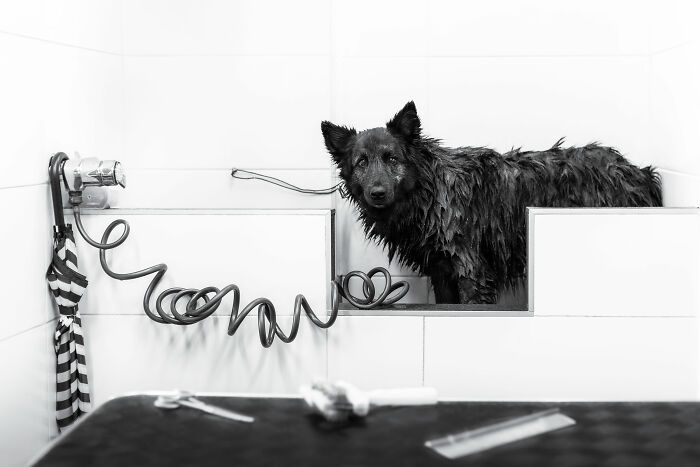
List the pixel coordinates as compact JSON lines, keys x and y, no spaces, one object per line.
{"x":226,"y":27}
{"x":25,"y":17}
{"x":376,"y":352}
{"x":388,"y":28}
{"x":84,"y":108}
{"x":133,"y":353}
{"x":269,"y":255}
{"x":674,"y":23}
{"x":22,"y":122}
{"x":27,"y":400}
{"x":25,"y":231}
{"x":532,"y":102}
{"x":540,"y":27}
{"x":622,"y":262}
{"x":94,"y":24}
{"x":680,"y":190}
{"x":576,"y":359}
{"x":369,"y":91}
{"x":675,"y":108}
{"x":56,"y":98}
{"x":167,"y":188}
{"x":219,"y":112}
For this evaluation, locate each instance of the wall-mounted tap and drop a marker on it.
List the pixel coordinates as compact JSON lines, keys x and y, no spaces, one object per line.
{"x":83,"y":179}
{"x":81,"y":173}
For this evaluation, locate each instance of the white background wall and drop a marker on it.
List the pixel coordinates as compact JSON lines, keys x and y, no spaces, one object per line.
{"x":61,"y":88}
{"x":182,"y":90}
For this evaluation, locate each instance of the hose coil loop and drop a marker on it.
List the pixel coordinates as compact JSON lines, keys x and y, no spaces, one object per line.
{"x":268,"y":328}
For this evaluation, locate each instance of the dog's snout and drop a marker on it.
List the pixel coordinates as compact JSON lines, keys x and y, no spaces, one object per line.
{"x":378,"y":193}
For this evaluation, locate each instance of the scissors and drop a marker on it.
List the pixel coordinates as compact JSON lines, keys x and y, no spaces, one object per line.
{"x":180,"y":398}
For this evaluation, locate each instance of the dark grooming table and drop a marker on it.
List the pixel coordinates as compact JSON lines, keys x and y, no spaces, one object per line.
{"x":130,"y":431}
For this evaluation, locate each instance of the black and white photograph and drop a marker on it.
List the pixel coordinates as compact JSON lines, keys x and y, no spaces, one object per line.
{"x":350,"y":233}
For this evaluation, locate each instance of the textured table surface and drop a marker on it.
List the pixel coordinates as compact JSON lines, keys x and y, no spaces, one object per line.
{"x":131,"y":431}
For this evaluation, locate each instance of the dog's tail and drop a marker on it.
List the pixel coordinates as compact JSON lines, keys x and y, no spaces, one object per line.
{"x":654,"y":185}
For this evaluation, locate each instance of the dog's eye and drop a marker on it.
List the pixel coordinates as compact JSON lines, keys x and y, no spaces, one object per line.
{"x":391,"y":159}
{"x":362,"y":161}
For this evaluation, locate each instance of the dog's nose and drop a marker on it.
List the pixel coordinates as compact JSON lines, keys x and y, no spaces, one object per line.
{"x":377,"y":193}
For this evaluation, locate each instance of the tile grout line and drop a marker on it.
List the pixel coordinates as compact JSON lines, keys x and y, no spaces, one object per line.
{"x":31,"y":328}
{"x":26,"y":185}
{"x":58,"y":43}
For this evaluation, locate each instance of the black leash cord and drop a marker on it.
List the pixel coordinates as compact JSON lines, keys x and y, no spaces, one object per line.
{"x":266,"y":309}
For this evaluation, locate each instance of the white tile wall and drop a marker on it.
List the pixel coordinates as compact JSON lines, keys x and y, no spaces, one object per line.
{"x":219,"y":112}
{"x":680,"y":189}
{"x":675,"y":23}
{"x":532,"y":102}
{"x":28,"y":242}
{"x":562,"y":358}
{"x":376,"y":351}
{"x":368,"y":91}
{"x":133,"y":353}
{"x":56,"y":98}
{"x":617,"y":255}
{"x":182,"y":189}
{"x":390,"y":28}
{"x":60,"y":89}
{"x":539,"y":27}
{"x":266,"y":255}
{"x":675,"y":108}
{"x":27,"y":397}
{"x":219,"y":27}
{"x":92,"y":24}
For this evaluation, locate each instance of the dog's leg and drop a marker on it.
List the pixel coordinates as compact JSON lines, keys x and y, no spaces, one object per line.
{"x":477,"y":291}
{"x":445,"y":289}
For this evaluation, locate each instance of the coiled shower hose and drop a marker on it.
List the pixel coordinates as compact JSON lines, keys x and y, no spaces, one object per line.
{"x":266,"y":309}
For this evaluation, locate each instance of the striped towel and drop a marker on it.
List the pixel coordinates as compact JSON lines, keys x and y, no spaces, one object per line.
{"x":68,"y":285}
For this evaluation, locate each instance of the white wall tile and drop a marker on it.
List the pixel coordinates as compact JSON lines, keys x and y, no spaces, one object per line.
{"x":226,"y":27}
{"x":25,"y":230}
{"x":168,"y":188}
{"x":219,"y":112}
{"x":675,"y":108}
{"x":84,"y":108}
{"x":133,"y":353}
{"x":376,"y":351}
{"x":389,"y":28}
{"x":679,"y":189}
{"x":22,"y":112}
{"x":368,"y":91}
{"x":26,"y":396}
{"x":274,"y":256}
{"x":540,"y":27}
{"x":584,"y":359}
{"x":615,"y":262}
{"x":56,"y":98}
{"x":94,"y":24}
{"x":532,"y":102}
{"x":25,"y":17}
{"x":674,"y":23}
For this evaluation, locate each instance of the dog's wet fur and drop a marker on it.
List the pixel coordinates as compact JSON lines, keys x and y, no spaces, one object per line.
{"x":458,"y":215}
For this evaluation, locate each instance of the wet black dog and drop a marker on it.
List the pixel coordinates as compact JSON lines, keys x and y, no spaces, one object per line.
{"x":458,"y":215}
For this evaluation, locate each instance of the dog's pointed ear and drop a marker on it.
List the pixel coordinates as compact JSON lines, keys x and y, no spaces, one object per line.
{"x":337,"y":139}
{"x":406,"y":123}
